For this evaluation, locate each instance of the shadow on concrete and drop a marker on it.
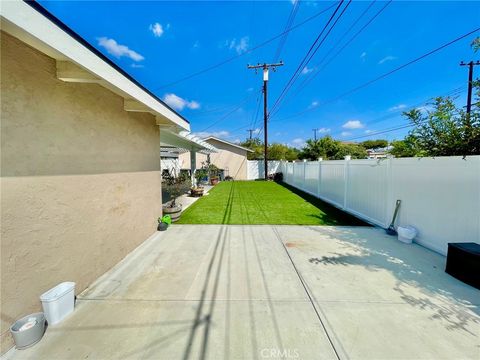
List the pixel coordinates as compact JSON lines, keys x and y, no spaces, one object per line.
{"x":412,"y":266}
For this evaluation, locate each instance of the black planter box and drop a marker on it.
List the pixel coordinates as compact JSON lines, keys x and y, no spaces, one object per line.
{"x":463,"y":262}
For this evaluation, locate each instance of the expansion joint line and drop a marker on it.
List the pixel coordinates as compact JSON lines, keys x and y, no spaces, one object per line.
{"x":308,"y":294}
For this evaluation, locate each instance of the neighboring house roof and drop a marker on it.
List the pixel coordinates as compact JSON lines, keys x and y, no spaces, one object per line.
{"x":78,"y":61}
{"x":228,"y":143}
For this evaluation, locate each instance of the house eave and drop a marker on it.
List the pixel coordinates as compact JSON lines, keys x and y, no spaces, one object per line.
{"x":78,"y":61}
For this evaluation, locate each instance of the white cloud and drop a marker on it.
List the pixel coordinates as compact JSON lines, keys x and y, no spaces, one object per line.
{"x":345,"y":133}
{"x":323,"y":130}
{"x":397,"y":107}
{"x":118,"y":50}
{"x":363,"y":56}
{"x":237,"y":141}
{"x":369,"y":131}
{"x":156,"y":29}
{"x":425,"y":108}
{"x":256,"y":131}
{"x":218,"y":134}
{"x":387,"y":58}
{"x":353,"y":124}
{"x":306,"y":70}
{"x":314,"y":104}
{"x":136,"y":66}
{"x":298,"y":142}
{"x":239,"y":46}
{"x":178,"y":103}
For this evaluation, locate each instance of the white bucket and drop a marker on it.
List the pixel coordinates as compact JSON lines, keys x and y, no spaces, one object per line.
{"x":58,"y":302}
{"x":406,"y":234}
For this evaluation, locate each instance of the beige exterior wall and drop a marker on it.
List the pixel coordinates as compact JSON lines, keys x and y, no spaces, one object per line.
{"x":80,"y":185}
{"x":228,"y":157}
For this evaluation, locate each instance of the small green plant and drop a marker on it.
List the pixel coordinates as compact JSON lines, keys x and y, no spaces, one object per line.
{"x":175,"y":185}
{"x":200,"y":174}
{"x":213,"y":171}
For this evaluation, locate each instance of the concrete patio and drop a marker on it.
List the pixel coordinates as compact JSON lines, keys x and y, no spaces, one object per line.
{"x":270,"y":292}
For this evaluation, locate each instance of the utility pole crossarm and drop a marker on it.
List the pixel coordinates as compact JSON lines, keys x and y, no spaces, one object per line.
{"x":265,"y":68}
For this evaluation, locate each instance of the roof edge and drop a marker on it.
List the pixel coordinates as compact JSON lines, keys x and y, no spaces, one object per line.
{"x":227,"y":142}
{"x":42,"y":10}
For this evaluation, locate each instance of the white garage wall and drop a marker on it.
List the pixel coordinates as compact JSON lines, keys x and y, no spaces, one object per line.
{"x":440,"y":196}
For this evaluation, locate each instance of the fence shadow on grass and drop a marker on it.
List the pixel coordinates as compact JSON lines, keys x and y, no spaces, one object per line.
{"x":331,"y":215}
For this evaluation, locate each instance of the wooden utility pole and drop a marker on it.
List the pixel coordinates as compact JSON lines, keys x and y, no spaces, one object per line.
{"x":470,"y":65}
{"x":265,"y":68}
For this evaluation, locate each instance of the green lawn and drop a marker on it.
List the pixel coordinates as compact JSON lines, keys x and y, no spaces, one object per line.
{"x":261,"y":202}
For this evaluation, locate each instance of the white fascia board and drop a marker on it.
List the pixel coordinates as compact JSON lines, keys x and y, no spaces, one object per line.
{"x":227,"y":142}
{"x":44,"y":32}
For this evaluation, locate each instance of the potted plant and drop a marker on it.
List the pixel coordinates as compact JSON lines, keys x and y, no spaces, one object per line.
{"x":213,"y":173}
{"x":197,"y":189}
{"x":175,"y":186}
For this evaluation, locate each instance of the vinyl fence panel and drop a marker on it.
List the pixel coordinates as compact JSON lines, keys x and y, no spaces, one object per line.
{"x":440,"y":196}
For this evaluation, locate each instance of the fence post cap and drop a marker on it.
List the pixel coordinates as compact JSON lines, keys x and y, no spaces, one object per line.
{"x":320,"y":159}
{"x":304,"y":160}
{"x":348,"y":157}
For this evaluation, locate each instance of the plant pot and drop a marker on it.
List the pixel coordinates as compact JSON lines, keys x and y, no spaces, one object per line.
{"x":214,"y":181}
{"x":28,"y":330}
{"x":174,"y":212}
{"x":196,"y":192}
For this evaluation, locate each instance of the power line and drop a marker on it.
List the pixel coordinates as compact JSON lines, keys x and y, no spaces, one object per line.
{"x":230,"y":59}
{"x":283,"y":39}
{"x":310,"y":53}
{"x":456,"y":91}
{"x":386,"y":74}
{"x":255,"y":119}
{"x":402,"y":66}
{"x":319,"y":70}
{"x":230,"y":112}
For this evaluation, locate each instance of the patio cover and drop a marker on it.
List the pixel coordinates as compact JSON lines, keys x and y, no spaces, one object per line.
{"x":184,"y":141}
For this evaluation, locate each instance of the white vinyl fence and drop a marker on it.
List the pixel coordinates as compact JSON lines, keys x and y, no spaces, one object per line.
{"x":256,"y":169}
{"x":440,"y":196}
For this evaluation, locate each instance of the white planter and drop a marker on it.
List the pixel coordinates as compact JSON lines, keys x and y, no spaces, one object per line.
{"x":406,"y":234}
{"x":58,"y":302}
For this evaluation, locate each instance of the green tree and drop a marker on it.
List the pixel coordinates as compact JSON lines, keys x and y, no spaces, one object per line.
{"x":374,"y":144}
{"x":325,"y":147}
{"x":356,"y":151}
{"x":445,"y":131}
{"x":405,"y":148}
{"x":281,"y":152}
{"x":276,"y":151}
{"x":331,"y":149}
{"x":256,"y":146}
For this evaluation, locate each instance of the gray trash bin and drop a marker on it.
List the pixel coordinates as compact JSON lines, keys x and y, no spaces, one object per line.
{"x":28,"y":330}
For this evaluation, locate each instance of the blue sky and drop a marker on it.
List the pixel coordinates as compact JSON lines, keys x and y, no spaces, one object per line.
{"x":160,"y":42}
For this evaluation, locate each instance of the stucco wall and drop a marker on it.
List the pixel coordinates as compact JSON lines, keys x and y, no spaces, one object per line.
{"x":228,"y":157}
{"x":80,"y":185}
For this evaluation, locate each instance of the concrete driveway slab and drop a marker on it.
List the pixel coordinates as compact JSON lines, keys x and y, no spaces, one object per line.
{"x":188,"y":261}
{"x":270,"y":292}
